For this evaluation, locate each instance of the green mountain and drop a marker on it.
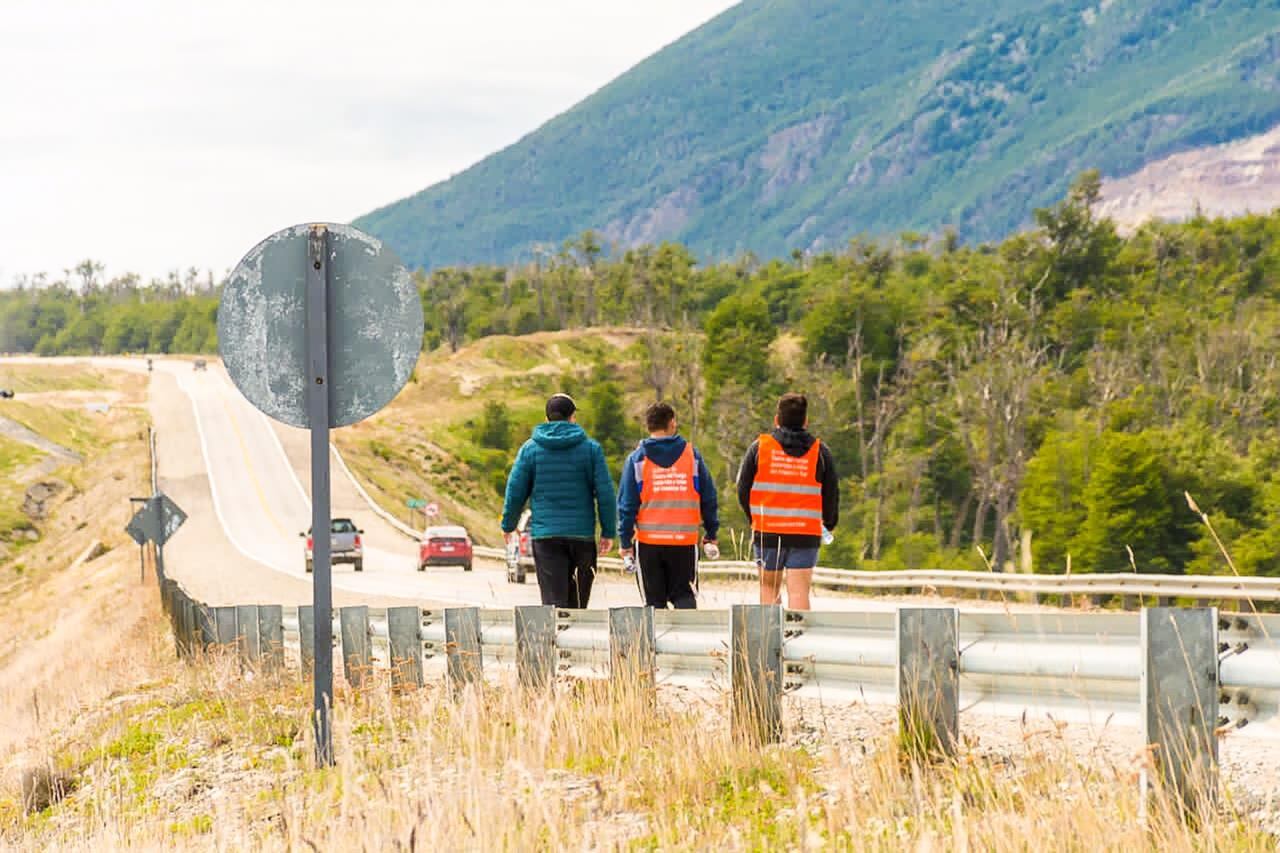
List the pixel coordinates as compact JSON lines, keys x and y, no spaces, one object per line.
{"x":786,"y":124}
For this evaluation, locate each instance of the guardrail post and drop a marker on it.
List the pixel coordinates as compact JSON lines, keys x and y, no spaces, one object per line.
{"x":631,"y":645}
{"x":404,"y":644}
{"x":535,"y":645}
{"x":307,"y":638}
{"x":247,"y":636}
{"x":355,"y":643}
{"x":184,"y":619}
{"x":1180,"y":702}
{"x":462,"y":645}
{"x":207,"y":629}
{"x":756,"y":671}
{"x":225,"y":620}
{"x":928,"y":680}
{"x":168,"y":590}
{"x":271,"y":636}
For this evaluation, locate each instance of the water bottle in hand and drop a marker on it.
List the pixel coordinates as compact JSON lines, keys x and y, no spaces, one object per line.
{"x":827,"y":536}
{"x":629,"y":563}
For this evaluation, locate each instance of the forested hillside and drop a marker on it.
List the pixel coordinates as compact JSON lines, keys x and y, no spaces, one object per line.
{"x":790,"y":124}
{"x":1065,"y":384}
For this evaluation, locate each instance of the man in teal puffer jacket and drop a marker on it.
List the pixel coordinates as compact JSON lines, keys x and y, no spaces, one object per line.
{"x":565,"y":474}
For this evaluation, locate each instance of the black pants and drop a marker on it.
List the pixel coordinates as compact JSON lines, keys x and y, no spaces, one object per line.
{"x":565,"y":570}
{"x":668,"y":575}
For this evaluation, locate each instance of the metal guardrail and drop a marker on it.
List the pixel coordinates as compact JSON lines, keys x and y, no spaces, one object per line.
{"x":1207,"y":587}
{"x":1074,"y":666}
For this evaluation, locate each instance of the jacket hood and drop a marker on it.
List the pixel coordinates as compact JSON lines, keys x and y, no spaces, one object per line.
{"x":559,"y":435}
{"x":796,"y":442}
{"x":664,"y":451}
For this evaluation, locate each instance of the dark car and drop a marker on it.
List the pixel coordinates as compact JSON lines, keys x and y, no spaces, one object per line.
{"x":445,"y":546}
{"x":345,"y":545}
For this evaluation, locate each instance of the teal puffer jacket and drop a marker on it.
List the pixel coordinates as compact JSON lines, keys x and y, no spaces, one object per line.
{"x":565,"y":474}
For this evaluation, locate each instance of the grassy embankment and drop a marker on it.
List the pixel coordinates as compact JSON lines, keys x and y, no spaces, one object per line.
{"x":203,"y":757}
{"x":424,"y":445}
{"x":68,"y":620}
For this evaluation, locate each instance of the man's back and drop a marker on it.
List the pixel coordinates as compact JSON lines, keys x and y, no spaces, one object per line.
{"x":564,"y":476}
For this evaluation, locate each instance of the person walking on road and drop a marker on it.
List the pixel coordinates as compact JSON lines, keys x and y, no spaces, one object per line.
{"x":565,"y":476}
{"x":665,"y":496}
{"x":789,"y":488}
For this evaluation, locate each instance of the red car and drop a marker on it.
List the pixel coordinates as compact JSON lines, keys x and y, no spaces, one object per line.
{"x":445,"y":546}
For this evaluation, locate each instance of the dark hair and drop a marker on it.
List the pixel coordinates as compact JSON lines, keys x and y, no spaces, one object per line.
{"x":793,"y":411}
{"x":659,"y":417}
{"x":560,"y":407}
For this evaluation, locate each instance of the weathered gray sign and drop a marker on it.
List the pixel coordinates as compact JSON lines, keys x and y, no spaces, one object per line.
{"x":157,"y":521}
{"x":374,"y":325}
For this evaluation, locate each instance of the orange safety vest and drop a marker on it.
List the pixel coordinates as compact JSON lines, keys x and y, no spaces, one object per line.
{"x":786,"y":496}
{"x":670,"y":508}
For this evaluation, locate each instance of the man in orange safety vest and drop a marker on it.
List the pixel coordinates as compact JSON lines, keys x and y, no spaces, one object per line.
{"x":665,"y":497}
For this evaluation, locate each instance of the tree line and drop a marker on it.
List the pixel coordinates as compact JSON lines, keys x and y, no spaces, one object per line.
{"x":82,"y":313}
{"x":1070,"y":397}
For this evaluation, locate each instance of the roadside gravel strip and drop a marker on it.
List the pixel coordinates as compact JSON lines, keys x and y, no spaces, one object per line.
{"x":1250,"y":769}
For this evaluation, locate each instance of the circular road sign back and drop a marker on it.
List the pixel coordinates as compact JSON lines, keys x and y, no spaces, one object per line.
{"x":374,"y":318}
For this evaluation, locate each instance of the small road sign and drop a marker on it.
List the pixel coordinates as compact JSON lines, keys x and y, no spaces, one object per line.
{"x":157,"y":521}
{"x":319,"y":327}
{"x":431,"y":510}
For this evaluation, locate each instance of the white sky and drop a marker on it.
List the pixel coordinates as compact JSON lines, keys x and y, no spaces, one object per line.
{"x":162,"y":134}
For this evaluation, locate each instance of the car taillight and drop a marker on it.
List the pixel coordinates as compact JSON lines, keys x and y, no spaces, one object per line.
{"x":357,"y":541}
{"x":309,"y":543}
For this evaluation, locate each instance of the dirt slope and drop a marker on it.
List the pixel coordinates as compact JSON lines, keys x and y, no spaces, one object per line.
{"x":1223,"y":180}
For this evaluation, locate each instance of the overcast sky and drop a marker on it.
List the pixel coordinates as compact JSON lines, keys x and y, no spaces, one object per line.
{"x":162,"y":134}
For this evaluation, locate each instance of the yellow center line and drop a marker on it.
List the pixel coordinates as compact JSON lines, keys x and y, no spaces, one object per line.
{"x":253,"y":476}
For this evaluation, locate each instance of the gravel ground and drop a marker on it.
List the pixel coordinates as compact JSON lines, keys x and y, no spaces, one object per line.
{"x":1250,"y":767}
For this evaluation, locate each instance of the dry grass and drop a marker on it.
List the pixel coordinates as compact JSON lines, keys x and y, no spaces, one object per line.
{"x":205,"y":758}
{"x":69,"y":629}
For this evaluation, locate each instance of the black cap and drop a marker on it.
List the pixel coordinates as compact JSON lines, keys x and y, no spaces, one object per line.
{"x":560,"y":407}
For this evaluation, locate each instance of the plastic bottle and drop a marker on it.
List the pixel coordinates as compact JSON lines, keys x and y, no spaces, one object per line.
{"x":629,"y":563}
{"x":827,"y":536}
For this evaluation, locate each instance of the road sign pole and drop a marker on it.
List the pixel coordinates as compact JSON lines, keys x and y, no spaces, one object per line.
{"x":318,"y":415}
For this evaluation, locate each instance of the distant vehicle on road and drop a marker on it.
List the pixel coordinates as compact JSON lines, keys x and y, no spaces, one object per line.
{"x":6,"y":393}
{"x":345,"y":545}
{"x":198,"y":364}
{"x":446,"y":545}
{"x":520,"y":552}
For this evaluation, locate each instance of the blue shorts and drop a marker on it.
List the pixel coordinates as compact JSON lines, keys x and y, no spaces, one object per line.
{"x":772,"y":559}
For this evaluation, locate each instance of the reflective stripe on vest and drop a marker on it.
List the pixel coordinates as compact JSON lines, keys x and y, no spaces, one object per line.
{"x":670,"y":508}
{"x":786,"y":496}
